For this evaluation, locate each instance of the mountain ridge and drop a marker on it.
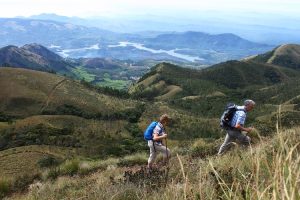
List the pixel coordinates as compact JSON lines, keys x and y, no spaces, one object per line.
{"x":33,"y":56}
{"x":286,"y":55}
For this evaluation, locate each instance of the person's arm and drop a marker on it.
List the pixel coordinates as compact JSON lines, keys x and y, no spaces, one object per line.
{"x":156,"y":137}
{"x":240,"y":121}
{"x":241,"y":128}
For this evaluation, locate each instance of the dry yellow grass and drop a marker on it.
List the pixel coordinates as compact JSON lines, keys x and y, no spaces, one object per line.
{"x":79,"y":124}
{"x":286,"y":49}
{"x":191,"y":97}
{"x":145,"y":83}
{"x":26,"y":92}
{"x":169,"y":92}
{"x":23,"y":160}
{"x":270,"y":170}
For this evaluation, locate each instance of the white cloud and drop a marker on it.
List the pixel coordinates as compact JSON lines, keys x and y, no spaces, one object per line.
{"x":10,"y":8}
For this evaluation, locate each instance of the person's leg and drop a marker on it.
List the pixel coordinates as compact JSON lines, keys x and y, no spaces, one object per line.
{"x":243,"y":139}
{"x":152,"y":155}
{"x":165,"y":152}
{"x":226,"y":144}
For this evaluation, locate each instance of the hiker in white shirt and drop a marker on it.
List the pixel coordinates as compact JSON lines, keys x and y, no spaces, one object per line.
{"x":234,"y":132}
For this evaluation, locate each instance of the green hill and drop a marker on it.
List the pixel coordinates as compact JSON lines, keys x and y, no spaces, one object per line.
{"x":221,"y":77}
{"x":39,"y":108}
{"x":287,"y":55}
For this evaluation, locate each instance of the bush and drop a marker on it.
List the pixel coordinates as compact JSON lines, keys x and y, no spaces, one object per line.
{"x":70,"y":168}
{"x":6,"y":118}
{"x":4,"y":187}
{"x":53,"y":173}
{"x":47,"y":161}
{"x":21,"y":183}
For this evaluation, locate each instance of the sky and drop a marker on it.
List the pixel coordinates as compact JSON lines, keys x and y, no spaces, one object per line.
{"x":114,"y":8}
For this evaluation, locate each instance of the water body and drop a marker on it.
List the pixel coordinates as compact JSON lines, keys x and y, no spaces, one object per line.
{"x":169,"y":52}
{"x":66,"y":52}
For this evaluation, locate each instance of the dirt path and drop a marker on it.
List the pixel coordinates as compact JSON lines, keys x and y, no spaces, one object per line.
{"x":51,"y":94}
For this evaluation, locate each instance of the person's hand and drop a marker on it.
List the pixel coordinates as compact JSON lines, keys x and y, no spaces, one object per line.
{"x":249,"y":129}
{"x":165,"y":135}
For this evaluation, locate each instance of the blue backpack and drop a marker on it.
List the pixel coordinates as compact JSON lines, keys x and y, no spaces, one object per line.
{"x":148,"y":134}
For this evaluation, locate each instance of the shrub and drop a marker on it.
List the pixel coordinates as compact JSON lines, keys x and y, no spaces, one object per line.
{"x":21,"y":183}
{"x":53,"y":173}
{"x":47,"y":161}
{"x":4,"y":187}
{"x":70,"y":167}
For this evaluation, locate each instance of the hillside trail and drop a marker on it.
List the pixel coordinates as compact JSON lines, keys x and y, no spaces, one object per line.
{"x":140,"y":174}
{"x":51,"y":94}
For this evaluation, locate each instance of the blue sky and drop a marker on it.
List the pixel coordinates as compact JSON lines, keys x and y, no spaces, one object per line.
{"x":113,"y":8}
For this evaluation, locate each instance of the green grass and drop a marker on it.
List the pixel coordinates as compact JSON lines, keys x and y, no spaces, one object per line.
{"x":116,"y":84}
{"x":81,"y":73}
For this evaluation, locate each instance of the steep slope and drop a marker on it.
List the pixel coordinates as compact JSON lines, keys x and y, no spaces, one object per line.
{"x":287,"y":55}
{"x":33,"y":56}
{"x":26,"y":92}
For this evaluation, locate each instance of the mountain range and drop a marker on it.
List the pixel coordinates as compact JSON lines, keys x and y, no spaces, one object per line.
{"x":77,"y":41}
{"x":108,"y":72}
{"x":262,"y":28}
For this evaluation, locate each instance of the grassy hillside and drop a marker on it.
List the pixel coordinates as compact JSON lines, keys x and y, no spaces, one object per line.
{"x":268,"y":170}
{"x":27,"y":92}
{"x":206,"y":92}
{"x":218,"y":78}
{"x":287,"y":55}
{"x":40,"y":109}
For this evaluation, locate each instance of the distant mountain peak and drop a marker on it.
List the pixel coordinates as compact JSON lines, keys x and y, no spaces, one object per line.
{"x":42,"y":51}
{"x":32,"y":56}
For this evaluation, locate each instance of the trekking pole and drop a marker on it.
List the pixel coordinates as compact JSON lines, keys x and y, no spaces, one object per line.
{"x":167,"y":150}
{"x":167,"y":171}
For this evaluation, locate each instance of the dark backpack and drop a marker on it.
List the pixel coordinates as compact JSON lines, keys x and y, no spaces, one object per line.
{"x":148,"y":134}
{"x":230,"y":109}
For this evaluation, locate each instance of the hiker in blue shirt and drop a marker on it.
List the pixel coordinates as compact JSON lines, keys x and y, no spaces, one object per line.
{"x":234,"y":132}
{"x":156,"y":145}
